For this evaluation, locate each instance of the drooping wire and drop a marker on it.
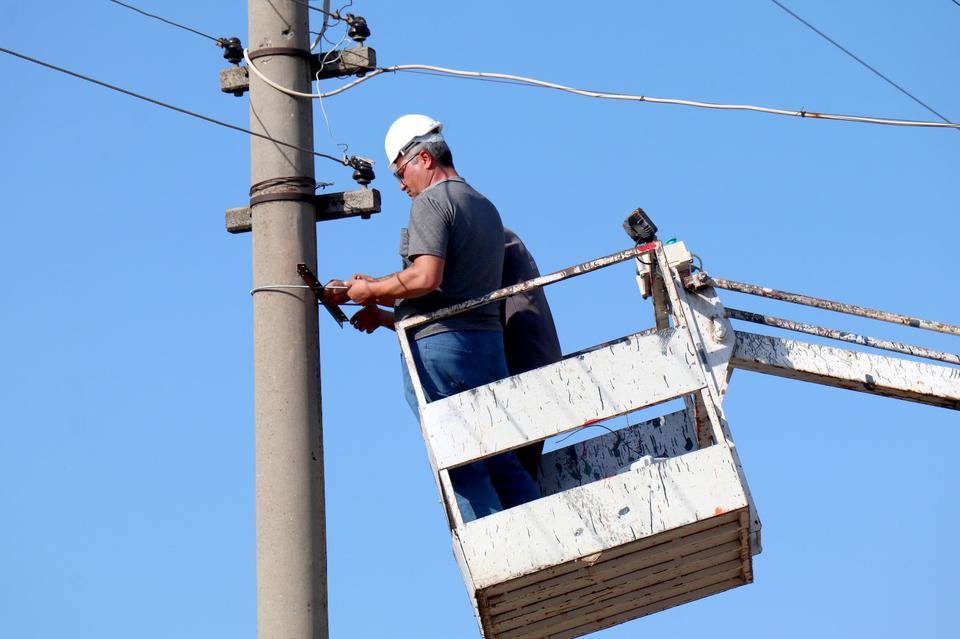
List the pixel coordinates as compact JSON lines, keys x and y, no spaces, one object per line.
{"x":861,"y":61}
{"x":326,"y":121}
{"x":459,"y":77}
{"x":219,"y":41}
{"x":165,"y":105}
{"x":483,"y":75}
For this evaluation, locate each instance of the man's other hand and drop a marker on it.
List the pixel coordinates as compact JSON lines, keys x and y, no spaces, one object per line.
{"x":368,"y":319}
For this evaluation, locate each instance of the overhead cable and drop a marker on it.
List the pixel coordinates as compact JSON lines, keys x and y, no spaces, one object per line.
{"x":516,"y":79}
{"x":219,"y":41}
{"x":343,"y":161}
{"x":855,"y":57}
{"x":483,"y":75}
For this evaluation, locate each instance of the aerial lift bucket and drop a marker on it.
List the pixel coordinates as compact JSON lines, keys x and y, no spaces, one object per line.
{"x":631,"y":522}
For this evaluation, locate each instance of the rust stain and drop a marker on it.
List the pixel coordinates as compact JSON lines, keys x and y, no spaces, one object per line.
{"x":718,"y":511}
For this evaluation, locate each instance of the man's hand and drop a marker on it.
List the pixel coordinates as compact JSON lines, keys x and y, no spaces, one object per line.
{"x":368,"y":319}
{"x":359,"y":291}
{"x":335,"y":292}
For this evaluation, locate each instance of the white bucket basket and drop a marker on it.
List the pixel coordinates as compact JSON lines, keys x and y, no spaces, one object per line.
{"x":631,"y":522}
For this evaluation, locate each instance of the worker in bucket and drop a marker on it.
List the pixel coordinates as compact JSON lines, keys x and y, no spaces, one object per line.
{"x":452,"y":251}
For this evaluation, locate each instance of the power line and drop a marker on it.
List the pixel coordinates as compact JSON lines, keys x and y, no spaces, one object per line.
{"x":459,"y":77}
{"x":514,"y":79}
{"x":852,"y":55}
{"x":165,"y":105}
{"x":219,"y":41}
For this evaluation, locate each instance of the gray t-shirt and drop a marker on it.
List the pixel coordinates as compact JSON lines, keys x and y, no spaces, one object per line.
{"x":451,"y":220}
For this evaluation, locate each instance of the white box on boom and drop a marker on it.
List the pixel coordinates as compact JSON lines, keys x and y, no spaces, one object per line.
{"x":611,"y":539}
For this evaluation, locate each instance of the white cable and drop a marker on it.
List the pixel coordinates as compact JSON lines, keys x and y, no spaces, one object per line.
{"x":604,"y":95}
{"x":642,"y":98}
{"x":278,"y":287}
{"x":326,"y":120}
{"x":296,"y":94}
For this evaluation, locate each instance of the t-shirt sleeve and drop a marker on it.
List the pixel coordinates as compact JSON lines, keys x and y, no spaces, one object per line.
{"x":429,"y":228}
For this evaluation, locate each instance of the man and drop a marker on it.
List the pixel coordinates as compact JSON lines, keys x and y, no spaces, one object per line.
{"x":529,"y":333}
{"x":452,"y":251}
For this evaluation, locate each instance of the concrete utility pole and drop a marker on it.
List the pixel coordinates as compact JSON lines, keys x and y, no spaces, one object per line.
{"x":291,"y":537}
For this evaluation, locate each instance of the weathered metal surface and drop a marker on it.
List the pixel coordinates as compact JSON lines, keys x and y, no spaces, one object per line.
{"x":660,"y":533}
{"x":613,"y":452}
{"x":700,"y":315}
{"x":702,"y":279}
{"x":845,"y":336}
{"x":715,"y":335}
{"x":329,"y":206}
{"x":572,"y":271}
{"x":626,"y":582}
{"x":868,"y":373}
{"x":615,"y":569}
{"x":628,"y":375}
{"x":601,"y":515}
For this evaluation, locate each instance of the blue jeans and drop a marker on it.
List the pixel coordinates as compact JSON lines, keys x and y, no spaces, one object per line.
{"x":450,"y":363}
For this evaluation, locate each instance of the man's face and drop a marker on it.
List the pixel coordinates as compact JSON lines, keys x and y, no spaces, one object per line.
{"x":412,"y":174}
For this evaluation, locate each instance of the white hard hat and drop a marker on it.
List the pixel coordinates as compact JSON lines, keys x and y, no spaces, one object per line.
{"x":407,"y":131}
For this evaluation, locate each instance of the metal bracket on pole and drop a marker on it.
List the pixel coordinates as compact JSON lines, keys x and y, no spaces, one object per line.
{"x":329,"y":206}
{"x":357,"y":61}
{"x":311,"y":280}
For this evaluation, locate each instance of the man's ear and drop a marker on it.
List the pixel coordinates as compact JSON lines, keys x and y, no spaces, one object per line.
{"x":427,"y":160}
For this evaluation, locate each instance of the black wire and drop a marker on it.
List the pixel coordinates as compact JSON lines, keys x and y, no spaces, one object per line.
{"x":580,"y":428}
{"x":170,"y":22}
{"x":956,"y":3}
{"x":850,"y":53}
{"x":173,"y":108}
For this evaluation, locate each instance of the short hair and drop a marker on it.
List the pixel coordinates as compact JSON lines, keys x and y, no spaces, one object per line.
{"x":439,"y":150}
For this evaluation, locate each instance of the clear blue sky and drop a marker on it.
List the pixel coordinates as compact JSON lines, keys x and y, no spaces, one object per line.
{"x":126,"y":462}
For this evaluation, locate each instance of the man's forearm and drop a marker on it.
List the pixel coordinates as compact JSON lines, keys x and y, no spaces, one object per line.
{"x":407,"y":284}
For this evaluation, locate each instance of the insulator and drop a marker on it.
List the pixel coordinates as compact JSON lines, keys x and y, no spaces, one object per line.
{"x":358,"y":31}
{"x":232,"y":50}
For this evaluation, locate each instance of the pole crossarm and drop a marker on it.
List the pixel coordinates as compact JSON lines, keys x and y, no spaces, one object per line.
{"x":841,"y":368}
{"x":702,"y":279}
